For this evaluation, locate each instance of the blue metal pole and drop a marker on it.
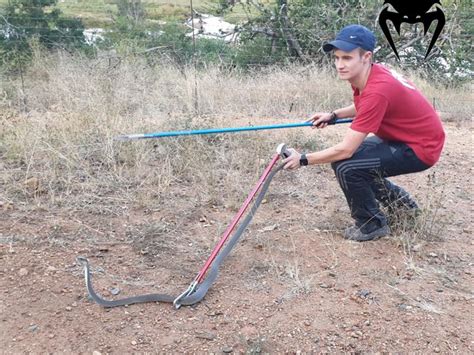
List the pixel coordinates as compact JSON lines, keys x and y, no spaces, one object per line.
{"x":220,"y":130}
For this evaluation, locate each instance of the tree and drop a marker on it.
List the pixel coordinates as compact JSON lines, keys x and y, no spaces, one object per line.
{"x":130,"y":33}
{"x":132,"y":10}
{"x":28,"y":21}
{"x":296,"y":29}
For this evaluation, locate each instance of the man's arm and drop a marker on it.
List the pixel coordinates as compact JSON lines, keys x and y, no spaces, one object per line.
{"x":346,"y":112}
{"x":343,"y":150}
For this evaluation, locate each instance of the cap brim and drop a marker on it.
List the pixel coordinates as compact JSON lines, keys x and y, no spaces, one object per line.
{"x":338,"y":44}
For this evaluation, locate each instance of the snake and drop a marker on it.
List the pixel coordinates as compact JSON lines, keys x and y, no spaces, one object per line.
{"x":202,"y":288}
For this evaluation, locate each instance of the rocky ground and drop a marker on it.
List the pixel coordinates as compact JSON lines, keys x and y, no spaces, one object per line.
{"x":292,"y":284}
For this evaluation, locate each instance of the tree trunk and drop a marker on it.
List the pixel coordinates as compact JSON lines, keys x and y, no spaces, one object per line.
{"x":286,"y":31}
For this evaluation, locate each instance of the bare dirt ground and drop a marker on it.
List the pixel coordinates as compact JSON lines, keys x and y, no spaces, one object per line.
{"x":292,"y":284}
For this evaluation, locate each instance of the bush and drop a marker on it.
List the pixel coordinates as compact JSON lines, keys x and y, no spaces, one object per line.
{"x":36,"y":21}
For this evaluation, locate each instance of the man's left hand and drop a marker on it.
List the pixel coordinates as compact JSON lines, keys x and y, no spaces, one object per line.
{"x":293,"y":161}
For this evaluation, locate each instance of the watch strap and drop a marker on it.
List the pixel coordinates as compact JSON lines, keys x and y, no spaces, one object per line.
{"x":303,"y":160}
{"x":333,"y":118}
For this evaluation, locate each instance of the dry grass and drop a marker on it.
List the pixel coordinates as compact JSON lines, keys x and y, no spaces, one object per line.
{"x":56,"y":131}
{"x":414,"y":228}
{"x":453,"y":104}
{"x":61,"y":146}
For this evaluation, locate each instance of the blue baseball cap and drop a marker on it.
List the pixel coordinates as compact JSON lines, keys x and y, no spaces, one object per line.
{"x":352,"y":37}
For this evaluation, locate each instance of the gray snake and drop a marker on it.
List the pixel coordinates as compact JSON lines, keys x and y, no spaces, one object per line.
{"x":202,"y":288}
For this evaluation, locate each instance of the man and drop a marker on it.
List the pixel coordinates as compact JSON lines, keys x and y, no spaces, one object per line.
{"x":407,"y":135}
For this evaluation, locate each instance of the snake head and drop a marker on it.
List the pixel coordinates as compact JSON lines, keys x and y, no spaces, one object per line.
{"x":83,"y":261}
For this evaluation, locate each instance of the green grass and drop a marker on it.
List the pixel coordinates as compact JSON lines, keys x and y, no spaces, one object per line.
{"x":241,"y":12}
{"x":94,"y":13}
{"x":99,"y":13}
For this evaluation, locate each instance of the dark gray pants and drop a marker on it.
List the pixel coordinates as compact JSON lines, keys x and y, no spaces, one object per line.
{"x":363,"y":180}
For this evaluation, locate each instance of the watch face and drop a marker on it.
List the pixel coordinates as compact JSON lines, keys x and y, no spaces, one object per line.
{"x":303,"y":160}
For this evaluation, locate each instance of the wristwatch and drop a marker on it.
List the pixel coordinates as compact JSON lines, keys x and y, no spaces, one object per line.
{"x":303,"y":160}
{"x":333,"y":118}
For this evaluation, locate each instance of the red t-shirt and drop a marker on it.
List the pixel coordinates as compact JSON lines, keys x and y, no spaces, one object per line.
{"x":394,"y":110}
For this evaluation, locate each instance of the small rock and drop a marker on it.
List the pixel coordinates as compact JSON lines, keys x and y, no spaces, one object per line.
{"x":23,"y":272}
{"x":68,"y":308}
{"x":134,"y":342}
{"x":33,"y":328}
{"x":95,"y":352}
{"x":363,"y":293}
{"x":354,"y":335}
{"x":206,"y":336}
{"x":51,"y":336}
{"x":404,"y":307}
{"x":323,"y":285}
{"x":269,"y":228}
{"x":32,"y":184}
{"x":51,"y":269}
{"x":417,"y":247}
{"x":227,"y":349}
{"x":115,"y":291}
{"x":436,"y":350}
{"x":433,"y":255}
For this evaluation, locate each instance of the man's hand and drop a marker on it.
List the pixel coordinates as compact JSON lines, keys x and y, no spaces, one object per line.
{"x":293,"y":161}
{"x":321,"y":119}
